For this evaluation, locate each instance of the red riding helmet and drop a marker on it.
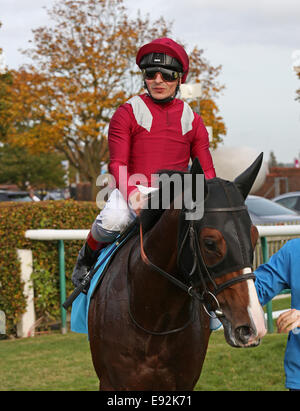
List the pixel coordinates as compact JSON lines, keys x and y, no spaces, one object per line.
{"x":179,"y":59}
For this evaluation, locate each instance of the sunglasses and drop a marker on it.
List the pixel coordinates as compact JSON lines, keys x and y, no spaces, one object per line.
{"x":149,"y":73}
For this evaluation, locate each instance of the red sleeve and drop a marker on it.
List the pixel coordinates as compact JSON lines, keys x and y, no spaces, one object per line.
{"x":119,"y":141}
{"x":200,"y":148}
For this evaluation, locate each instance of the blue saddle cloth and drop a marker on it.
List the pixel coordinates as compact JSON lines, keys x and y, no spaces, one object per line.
{"x":80,"y":306}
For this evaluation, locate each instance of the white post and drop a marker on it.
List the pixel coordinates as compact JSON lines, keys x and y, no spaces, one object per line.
{"x":25,"y":328}
{"x":2,"y":323}
{"x":191,"y":90}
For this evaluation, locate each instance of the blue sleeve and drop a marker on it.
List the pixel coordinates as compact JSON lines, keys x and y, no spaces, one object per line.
{"x":274,"y":276}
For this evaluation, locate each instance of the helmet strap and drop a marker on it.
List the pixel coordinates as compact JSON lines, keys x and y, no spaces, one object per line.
{"x":164,"y":100}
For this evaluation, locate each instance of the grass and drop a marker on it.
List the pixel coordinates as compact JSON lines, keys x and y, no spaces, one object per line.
{"x":281,"y":303}
{"x":253,"y":369}
{"x":249,"y":369}
{"x":56,"y":362}
{"x":47,"y":363}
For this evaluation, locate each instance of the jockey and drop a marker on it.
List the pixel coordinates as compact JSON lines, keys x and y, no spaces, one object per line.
{"x":150,"y":132}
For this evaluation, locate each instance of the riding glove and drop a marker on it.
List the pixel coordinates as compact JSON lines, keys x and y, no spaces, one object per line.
{"x":85,"y":260}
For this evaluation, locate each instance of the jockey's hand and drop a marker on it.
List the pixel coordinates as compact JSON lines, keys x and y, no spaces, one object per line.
{"x":288,"y":320}
{"x":79,"y":272}
{"x":85,"y":260}
{"x":136,"y":201}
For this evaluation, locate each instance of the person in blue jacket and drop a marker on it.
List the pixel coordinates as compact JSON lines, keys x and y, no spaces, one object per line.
{"x":280,"y":272}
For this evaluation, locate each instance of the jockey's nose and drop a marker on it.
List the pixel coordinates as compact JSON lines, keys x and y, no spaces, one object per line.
{"x":158,"y":77}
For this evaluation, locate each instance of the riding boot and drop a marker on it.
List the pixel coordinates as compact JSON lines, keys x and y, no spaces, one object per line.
{"x":86,"y":259}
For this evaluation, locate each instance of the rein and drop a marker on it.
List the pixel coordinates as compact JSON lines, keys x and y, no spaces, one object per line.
{"x":178,"y":283}
{"x":202,"y":269}
{"x":174,"y":280}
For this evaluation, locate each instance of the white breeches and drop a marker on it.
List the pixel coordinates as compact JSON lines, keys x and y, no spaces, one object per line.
{"x":113,"y":218}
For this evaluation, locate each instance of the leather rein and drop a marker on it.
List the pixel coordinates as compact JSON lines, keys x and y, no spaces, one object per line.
{"x":204,"y":276}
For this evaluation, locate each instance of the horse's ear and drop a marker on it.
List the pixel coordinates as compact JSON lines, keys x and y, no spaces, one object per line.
{"x":245,"y":181}
{"x":194,"y":170}
{"x":196,"y":167}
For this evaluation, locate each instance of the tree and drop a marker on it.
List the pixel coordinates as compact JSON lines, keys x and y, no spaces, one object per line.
{"x":272,"y":160}
{"x":5,"y":103}
{"x":297,"y":69}
{"x":18,"y":166}
{"x":202,"y":72}
{"x":5,"y":98}
{"x":83,"y":69}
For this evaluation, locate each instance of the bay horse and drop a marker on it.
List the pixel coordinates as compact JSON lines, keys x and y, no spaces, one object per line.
{"x":149,"y":320}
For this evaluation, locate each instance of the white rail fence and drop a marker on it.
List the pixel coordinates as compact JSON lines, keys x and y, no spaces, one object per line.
{"x":271,"y":239}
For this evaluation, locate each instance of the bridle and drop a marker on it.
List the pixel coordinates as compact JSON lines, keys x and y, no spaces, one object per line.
{"x":199,"y":267}
{"x":204,"y":274}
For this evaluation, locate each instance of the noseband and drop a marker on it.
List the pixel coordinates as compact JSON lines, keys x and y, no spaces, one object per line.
{"x":199,"y":267}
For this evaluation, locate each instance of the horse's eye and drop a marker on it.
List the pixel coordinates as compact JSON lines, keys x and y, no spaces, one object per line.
{"x":210,"y":244}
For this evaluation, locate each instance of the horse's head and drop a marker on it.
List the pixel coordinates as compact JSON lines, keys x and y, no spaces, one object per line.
{"x":222,"y":243}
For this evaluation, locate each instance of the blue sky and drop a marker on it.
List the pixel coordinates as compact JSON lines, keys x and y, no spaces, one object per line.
{"x":253,"y":41}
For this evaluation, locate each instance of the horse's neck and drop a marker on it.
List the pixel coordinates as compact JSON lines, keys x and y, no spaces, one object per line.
{"x":155,"y":301}
{"x":161,"y":242}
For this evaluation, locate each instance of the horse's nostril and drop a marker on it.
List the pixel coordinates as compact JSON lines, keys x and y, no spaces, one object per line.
{"x":243,"y":333}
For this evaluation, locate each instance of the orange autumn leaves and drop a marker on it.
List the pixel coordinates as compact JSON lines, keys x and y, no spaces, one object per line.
{"x":83,"y":68}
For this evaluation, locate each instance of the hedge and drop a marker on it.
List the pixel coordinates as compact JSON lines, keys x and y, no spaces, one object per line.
{"x":15,"y":219}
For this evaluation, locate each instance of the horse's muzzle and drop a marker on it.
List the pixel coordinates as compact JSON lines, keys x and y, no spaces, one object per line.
{"x":245,"y":335}
{"x":241,"y":336}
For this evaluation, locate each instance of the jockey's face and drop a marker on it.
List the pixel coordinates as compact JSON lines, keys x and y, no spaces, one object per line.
{"x":160,"y":88}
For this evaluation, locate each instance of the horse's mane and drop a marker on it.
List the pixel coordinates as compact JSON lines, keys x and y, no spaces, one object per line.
{"x":149,"y":217}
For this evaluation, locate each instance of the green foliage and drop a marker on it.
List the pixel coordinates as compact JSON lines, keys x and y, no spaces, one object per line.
{"x":15,"y":219}
{"x":18,"y":166}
